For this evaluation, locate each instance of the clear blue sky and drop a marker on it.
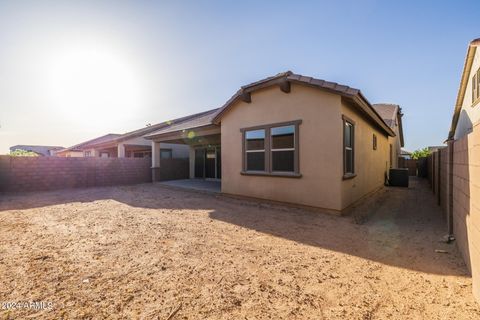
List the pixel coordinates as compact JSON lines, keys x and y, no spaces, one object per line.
{"x":160,"y":60}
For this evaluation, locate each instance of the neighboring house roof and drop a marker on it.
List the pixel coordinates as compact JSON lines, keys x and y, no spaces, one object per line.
{"x":89,"y":143}
{"x":284,"y":79}
{"x":391,"y":114}
{"x":472,"y":48}
{"x":197,"y":120}
{"x":405,"y":152}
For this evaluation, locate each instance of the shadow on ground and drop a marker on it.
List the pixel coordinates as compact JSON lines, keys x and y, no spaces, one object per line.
{"x":403,"y":229}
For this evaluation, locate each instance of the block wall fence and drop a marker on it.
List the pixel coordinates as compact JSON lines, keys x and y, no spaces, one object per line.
{"x":21,"y":174}
{"x":454,"y":174}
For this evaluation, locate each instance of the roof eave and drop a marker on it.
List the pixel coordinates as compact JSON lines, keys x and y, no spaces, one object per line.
{"x":467,"y":66}
{"x":367,"y":108}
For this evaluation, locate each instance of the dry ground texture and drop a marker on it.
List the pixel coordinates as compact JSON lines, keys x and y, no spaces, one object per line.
{"x":146,"y":251}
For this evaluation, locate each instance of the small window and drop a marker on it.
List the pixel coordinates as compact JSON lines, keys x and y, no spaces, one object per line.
{"x":165,"y":153}
{"x":474,"y":88}
{"x":283,"y":148}
{"x":374,"y":142}
{"x":104,"y":155}
{"x":255,"y":150}
{"x":349,"y":147}
{"x":87,"y":154}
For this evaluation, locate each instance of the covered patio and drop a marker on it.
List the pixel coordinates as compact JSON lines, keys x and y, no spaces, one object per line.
{"x":203,"y":139}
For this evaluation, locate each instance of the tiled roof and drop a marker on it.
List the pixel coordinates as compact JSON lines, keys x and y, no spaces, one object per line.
{"x":285,"y":78}
{"x":193,"y":121}
{"x":84,"y":145}
{"x":388,"y":112}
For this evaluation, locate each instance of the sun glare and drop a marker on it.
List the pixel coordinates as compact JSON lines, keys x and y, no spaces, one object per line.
{"x":91,"y":83}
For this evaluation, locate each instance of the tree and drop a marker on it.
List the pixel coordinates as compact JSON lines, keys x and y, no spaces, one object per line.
{"x":420,"y":153}
{"x":22,"y":153}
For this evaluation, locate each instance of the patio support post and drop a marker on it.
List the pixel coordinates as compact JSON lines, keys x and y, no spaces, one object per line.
{"x":191,"y":158}
{"x":121,"y":150}
{"x":155,"y":161}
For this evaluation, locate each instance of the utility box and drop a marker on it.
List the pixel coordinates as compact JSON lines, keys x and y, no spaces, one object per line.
{"x":398,"y":177}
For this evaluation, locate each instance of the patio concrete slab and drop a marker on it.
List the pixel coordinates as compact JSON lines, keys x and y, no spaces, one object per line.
{"x":195,"y":184}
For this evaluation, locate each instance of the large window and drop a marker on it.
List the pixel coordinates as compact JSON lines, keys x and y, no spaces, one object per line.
{"x":272,"y":149}
{"x":349,"y":148}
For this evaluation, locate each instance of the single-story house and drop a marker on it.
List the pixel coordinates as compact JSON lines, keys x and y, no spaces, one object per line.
{"x":129,"y":145}
{"x":45,"y":151}
{"x":392,"y":115}
{"x":288,"y":138}
{"x":83,"y":149}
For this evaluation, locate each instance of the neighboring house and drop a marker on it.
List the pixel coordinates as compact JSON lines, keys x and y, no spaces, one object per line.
{"x":467,"y":106}
{"x":129,"y":145}
{"x":288,"y":138}
{"x":405,"y":154}
{"x":40,"y":150}
{"x":84,"y":149}
{"x":392,"y":115}
{"x":133,"y":145}
{"x":462,"y":181}
{"x":435,"y":148}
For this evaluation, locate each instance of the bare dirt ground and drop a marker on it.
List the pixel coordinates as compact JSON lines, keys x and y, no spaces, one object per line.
{"x":147,"y":251}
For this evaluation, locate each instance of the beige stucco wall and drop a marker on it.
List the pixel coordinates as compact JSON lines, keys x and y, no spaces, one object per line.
{"x":469,"y":115}
{"x":320,"y":146}
{"x":370,"y":165}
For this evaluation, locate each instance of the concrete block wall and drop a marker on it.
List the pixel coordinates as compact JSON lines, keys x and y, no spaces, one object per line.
{"x":19,"y":174}
{"x":466,"y":202}
{"x":456,"y":183}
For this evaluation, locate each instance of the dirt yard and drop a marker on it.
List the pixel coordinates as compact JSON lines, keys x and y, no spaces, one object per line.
{"x":152,"y":252}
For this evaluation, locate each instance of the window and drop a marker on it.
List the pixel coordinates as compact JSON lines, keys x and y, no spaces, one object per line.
{"x":374,"y":142}
{"x":272,"y":149}
{"x":104,"y":155}
{"x":283,"y":148}
{"x":476,"y":86}
{"x":87,"y":154}
{"x":255,"y":150}
{"x":165,"y":153}
{"x":349,"y":148}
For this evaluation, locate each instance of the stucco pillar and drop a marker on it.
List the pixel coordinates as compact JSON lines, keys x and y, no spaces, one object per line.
{"x":121,"y":150}
{"x":155,"y":161}
{"x":191,"y":158}
{"x":96,"y":153}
